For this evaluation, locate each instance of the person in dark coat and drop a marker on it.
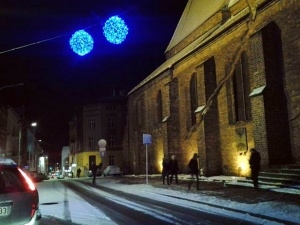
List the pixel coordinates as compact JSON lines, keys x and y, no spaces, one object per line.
{"x":165,"y":170}
{"x":94,"y":171}
{"x":254,"y":162}
{"x":173,"y":169}
{"x":194,"y":170}
{"x":78,"y":172}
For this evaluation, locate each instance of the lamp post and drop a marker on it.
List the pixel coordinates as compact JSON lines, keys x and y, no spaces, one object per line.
{"x":20,"y":140}
{"x":33,"y":152}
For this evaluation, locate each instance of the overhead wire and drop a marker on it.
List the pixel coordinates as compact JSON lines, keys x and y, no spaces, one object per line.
{"x":63,"y":35}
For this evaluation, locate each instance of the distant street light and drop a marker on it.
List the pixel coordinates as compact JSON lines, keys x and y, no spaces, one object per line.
{"x":20,"y":138}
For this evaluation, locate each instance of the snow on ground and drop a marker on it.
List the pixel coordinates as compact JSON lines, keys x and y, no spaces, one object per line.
{"x":62,"y":203}
{"x":293,"y":189}
{"x":270,"y":209}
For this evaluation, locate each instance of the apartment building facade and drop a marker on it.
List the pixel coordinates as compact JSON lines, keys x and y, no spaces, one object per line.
{"x":92,"y":122}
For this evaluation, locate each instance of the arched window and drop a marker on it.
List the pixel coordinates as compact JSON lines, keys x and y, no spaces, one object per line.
{"x":241,"y":90}
{"x":193,"y":98}
{"x":159,"y":111}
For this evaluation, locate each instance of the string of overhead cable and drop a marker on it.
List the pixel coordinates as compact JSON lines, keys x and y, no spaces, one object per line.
{"x":34,"y":43}
{"x":83,"y":35}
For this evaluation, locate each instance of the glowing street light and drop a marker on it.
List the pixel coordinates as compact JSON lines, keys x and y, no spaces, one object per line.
{"x":34,"y":124}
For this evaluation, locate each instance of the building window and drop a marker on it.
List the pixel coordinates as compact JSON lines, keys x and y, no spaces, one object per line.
{"x":159,"y":111}
{"x":193,"y":98}
{"x":92,"y":123}
{"x":91,"y":143}
{"x":139,"y":112}
{"x":111,"y":159}
{"x":241,"y":91}
{"x":110,"y":107}
{"x":111,"y":140}
{"x":110,"y":122}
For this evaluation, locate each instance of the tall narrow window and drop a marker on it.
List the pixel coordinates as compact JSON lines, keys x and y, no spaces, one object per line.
{"x":159,"y":107}
{"x":241,"y":91}
{"x":193,"y":98}
{"x":110,"y":122}
{"x":139,"y":111}
{"x":111,"y":140}
{"x":92,"y":123}
{"x":91,"y":143}
{"x":111,"y":160}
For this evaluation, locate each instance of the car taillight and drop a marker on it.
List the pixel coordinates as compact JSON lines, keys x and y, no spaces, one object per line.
{"x":28,"y":181}
{"x":34,"y":204}
{"x":33,"y":209}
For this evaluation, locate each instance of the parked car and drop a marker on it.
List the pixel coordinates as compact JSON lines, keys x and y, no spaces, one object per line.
{"x":19,"y":198}
{"x":36,"y":176}
{"x":112,"y":170}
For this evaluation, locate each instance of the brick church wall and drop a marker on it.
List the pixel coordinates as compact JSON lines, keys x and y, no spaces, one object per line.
{"x":177,"y":136}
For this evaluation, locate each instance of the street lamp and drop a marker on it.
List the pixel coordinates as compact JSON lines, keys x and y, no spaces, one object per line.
{"x":20,"y":140}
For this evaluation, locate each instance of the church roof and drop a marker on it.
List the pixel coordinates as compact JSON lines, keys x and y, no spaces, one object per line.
{"x":195,"y":8}
{"x":194,"y":15}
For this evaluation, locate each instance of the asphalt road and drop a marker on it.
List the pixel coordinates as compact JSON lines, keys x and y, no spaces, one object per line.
{"x":153,"y":211}
{"x":128,"y":208}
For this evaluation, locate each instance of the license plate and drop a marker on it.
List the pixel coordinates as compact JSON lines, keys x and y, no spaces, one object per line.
{"x":3,"y":211}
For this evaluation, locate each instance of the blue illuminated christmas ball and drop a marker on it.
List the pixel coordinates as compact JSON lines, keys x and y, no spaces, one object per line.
{"x":115,"y":30}
{"x":81,"y":42}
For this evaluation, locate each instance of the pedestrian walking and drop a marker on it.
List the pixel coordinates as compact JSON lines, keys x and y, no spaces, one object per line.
{"x":254,"y":163}
{"x":78,"y":172}
{"x":94,"y":171}
{"x":165,"y":171}
{"x":173,"y":169}
{"x":194,"y":171}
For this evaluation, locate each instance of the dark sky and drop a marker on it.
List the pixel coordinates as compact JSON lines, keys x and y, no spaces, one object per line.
{"x":34,"y":50}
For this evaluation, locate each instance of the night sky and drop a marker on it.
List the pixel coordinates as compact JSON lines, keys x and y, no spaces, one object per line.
{"x":34,"y":50}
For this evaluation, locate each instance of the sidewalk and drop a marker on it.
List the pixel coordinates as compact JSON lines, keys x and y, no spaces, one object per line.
{"x":231,"y":181}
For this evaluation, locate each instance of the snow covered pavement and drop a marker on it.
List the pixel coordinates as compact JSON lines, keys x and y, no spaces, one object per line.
{"x":57,"y":201}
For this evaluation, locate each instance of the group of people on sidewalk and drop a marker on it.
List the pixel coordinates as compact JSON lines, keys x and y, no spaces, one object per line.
{"x":170,"y":169}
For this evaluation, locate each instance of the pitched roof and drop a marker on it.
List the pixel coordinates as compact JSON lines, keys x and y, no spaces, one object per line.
{"x":214,"y":31}
{"x":195,"y":14}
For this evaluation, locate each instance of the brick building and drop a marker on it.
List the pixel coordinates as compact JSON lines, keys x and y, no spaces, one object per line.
{"x":230,"y":82}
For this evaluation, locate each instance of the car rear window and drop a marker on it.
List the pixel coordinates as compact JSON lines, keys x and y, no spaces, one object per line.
{"x":11,"y":180}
